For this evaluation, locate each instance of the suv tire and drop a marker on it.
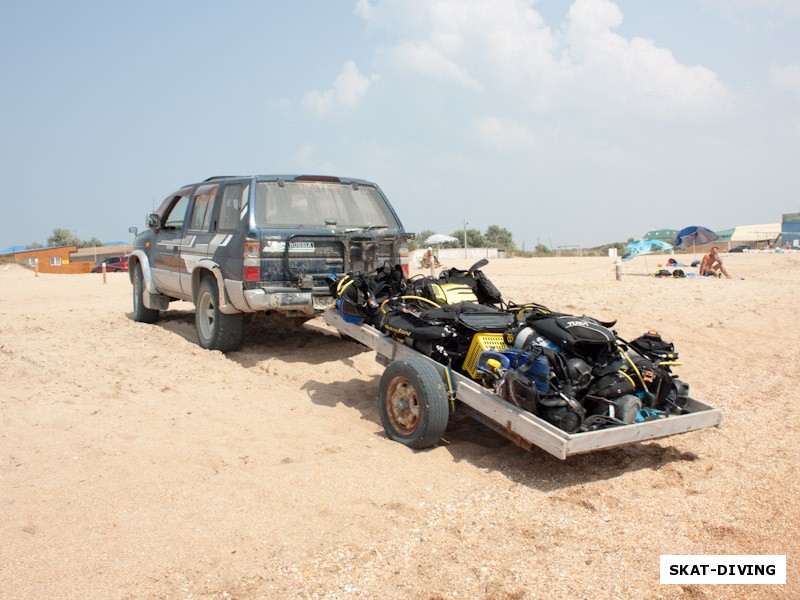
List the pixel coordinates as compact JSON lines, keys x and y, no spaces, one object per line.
{"x":141,"y":314}
{"x":215,"y":329}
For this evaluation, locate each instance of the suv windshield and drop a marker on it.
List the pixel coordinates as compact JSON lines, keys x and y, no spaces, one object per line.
{"x":314,"y":204}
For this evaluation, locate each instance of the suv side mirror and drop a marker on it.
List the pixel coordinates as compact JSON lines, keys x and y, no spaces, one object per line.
{"x":133,"y":230}
{"x":153,"y":221}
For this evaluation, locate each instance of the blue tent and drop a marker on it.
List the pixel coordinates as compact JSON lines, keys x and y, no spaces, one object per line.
{"x":694,"y":235}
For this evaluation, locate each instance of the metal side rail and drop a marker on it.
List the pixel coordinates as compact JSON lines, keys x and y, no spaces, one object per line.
{"x":522,"y":427}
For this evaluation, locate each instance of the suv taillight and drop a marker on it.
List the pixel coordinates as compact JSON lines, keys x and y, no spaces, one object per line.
{"x":251,"y":270}
{"x":404,"y":259}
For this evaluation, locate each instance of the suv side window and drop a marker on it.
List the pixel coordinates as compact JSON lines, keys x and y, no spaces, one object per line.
{"x":231,"y":206}
{"x":176,"y":215}
{"x":203,"y":208}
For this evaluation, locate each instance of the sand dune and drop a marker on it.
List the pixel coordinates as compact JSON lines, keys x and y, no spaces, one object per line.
{"x":137,"y":465}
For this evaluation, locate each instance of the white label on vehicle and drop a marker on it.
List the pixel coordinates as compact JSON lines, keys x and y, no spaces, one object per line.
{"x":277,"y":246}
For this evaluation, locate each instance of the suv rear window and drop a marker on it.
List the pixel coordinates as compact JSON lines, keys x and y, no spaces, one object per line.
{"x":315,"y":205}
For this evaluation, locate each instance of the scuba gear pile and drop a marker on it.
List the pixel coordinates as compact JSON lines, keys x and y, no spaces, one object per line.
{"x":574,"y":372}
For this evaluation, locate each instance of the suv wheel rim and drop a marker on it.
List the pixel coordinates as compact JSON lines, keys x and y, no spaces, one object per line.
{"x":206,"y":312}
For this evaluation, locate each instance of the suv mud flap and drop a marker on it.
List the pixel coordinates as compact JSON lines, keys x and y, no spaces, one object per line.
{"x":226,"y":304}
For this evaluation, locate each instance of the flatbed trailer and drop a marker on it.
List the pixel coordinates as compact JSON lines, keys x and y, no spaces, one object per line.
{"x":415,"y":404}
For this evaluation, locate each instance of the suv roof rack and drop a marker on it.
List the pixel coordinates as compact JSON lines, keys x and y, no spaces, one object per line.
{"x":218,"y":177}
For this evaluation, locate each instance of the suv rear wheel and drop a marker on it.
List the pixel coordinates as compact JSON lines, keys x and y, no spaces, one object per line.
{"x":215,"y":329}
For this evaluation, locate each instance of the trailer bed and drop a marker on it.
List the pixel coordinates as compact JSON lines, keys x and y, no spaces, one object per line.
{"x":524,"y":428}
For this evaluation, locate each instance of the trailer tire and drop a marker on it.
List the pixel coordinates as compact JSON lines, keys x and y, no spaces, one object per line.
{"x":413,"y":403}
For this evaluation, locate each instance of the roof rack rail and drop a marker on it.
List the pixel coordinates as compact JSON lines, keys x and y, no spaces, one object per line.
{"x":218,"y":177}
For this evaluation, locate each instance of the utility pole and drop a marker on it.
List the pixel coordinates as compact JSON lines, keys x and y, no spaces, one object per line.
{"x":465,"y":237}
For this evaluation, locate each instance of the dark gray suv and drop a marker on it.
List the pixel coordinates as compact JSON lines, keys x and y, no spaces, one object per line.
{"x":263,"y":243}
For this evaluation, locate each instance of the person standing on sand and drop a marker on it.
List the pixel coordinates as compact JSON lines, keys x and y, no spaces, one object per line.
{"x":711,"y":265}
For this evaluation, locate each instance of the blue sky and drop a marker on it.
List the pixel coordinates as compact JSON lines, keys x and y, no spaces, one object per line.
{"x":580,"y":122}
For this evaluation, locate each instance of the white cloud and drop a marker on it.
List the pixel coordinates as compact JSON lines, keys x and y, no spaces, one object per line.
{"x":785,"y":79}
{"x":424,"y":58}
{"x":347,"y":90}
{"x":466,"y":42}
{"x":504,"y":134}
{"x":505,"y":48}
{"x":636,"y":73}
{"x":363,"y":9}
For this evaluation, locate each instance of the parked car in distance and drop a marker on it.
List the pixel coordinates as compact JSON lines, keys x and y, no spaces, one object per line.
{"x":235,"y":246}
{"x":741,"y":248}
{"x":113,"y":265}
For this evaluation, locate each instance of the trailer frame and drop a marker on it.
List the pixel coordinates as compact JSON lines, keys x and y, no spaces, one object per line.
{"x":521,"y":427}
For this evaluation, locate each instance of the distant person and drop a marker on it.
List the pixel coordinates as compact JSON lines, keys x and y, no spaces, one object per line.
{"x":429,"y":259}
{"x":711,"y":265}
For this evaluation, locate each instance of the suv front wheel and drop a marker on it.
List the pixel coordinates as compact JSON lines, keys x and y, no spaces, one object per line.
{"x":141,"y":314}
{"x":215,"y":329}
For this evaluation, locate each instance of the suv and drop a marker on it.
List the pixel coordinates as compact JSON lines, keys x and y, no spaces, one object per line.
{"x":113,"y":265}
{"x":262,"y":243}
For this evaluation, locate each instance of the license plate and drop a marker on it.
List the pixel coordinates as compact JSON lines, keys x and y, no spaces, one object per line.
{"x":276,"y":246}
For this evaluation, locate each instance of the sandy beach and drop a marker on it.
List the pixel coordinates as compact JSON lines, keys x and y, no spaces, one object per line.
{"x":137,"y":465}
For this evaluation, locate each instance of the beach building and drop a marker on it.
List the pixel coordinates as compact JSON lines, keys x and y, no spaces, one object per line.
{"x":49,"y":260}
{"x":62,"y":259}
{"x":790,"y":229}
{"x":757,"y":235}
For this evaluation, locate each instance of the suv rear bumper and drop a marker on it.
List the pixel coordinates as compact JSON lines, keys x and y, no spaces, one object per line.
{"x":283,"y":299}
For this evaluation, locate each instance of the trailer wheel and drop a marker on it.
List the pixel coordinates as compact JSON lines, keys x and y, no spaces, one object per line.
{"x":413,"y":403}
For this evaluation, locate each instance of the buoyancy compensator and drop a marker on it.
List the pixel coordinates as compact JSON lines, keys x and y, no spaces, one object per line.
{"x":485,"y":291}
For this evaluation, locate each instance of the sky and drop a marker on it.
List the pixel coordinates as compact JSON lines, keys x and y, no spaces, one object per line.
{"x":567,"y":123}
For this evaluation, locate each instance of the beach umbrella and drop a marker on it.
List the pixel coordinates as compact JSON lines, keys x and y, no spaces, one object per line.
{"x":635,"y":249}
{"x":439,"y":238}
{"x":695,"y":235}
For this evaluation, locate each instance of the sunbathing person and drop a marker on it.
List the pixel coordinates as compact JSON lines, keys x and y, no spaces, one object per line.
{"x":711,"y":265}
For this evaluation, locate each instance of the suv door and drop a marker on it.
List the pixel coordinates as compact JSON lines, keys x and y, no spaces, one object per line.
{"x":227,"y":245}
{"x":199,"y":233}
{"x":165,"y":253}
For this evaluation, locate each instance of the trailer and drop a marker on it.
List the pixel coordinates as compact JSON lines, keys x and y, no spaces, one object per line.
{"x":417,"y":395}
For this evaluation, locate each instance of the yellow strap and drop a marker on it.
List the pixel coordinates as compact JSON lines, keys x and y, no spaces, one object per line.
{"x":343,"y":285}
{"x":451,"y":393}
{"x":628,"y":377}
{"x":420,"y":298}
{"x":636,"y":370}
{"x":532,"y":307}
